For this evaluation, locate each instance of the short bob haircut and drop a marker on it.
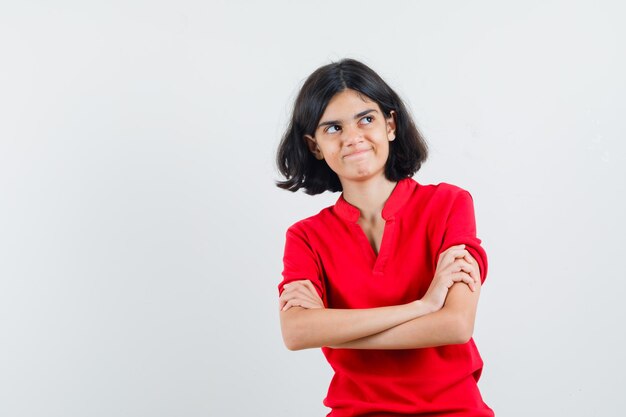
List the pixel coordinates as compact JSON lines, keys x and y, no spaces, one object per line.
{"x":294,"y":159}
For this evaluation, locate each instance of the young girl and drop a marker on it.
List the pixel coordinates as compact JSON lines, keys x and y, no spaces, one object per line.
{"x":386,"y":281}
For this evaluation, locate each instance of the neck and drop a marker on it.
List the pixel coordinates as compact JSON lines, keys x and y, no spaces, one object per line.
{"x":369,"y":196}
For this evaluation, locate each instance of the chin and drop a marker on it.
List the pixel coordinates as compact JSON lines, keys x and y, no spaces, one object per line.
{"x":364,"y":176}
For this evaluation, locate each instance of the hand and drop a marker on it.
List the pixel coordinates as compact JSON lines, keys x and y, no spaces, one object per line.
{"x":300,"y":293}
{"x":455,"y":264}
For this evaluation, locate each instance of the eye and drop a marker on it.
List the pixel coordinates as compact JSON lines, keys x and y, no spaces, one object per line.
{"x":367,"y":120}
{"x":333,"y":129}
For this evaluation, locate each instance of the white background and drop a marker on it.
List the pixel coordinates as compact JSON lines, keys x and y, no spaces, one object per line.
{"x":141,"y":235}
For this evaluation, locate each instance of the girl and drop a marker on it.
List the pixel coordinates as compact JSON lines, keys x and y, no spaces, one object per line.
{"x":386,"y":281}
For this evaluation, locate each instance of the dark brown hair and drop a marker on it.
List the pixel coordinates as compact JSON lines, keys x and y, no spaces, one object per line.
{"x":294,"y":159}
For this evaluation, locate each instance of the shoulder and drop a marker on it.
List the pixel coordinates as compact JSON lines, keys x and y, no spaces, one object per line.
{"x":311,"y":233}
{"x":436,"y":202}
{"x":442,"y":193}
{"x":311,"y":223}
{"x":444,"y":189}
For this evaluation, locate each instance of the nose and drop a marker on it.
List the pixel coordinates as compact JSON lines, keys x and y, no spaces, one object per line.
{"x":352,"y":135}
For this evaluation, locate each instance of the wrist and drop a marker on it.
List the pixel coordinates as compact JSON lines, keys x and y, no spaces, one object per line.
{"x":422,"y":307}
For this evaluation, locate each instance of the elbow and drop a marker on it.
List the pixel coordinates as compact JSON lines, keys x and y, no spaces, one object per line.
{"x":464,"y":336}
{"x":291,"y":329}
{"x":292,"y":343}
{"x":296,"y":341}
{"x":294,"y":347}
{"x":463,"y":330}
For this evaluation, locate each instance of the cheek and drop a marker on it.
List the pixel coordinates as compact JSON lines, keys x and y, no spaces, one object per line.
{"x":330,"y":152}
{"x":332,"y":164}
{"x":334,"y":161}
{"x":384,"y":150}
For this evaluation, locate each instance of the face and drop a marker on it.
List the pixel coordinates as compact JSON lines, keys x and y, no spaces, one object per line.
{"x":353,"y":137}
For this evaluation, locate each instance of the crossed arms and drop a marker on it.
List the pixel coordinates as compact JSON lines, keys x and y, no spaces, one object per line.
{"x":444,"y":316}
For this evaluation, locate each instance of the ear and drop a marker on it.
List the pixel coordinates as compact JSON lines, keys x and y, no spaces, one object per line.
{"x":312,"y":145}
{"x":391,"y":125}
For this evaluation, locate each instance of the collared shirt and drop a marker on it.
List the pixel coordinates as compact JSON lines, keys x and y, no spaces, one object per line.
{"x":331,"y":250}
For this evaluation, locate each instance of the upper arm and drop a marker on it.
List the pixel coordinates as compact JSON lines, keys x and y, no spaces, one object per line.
{"x":461,"y":305}
{"x":460,"y":228}
{"x":300,"y":261}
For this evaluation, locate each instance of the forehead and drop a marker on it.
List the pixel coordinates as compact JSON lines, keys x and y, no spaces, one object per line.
{"x":346,"y":104}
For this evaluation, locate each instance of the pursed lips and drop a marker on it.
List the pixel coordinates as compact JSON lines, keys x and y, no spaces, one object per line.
{"x":355,"y":153}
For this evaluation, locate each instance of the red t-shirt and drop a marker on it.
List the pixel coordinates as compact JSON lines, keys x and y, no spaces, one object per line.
{"x":331,"y":250}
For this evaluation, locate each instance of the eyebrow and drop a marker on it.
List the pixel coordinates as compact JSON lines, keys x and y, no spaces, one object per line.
{"x":356,"y":116}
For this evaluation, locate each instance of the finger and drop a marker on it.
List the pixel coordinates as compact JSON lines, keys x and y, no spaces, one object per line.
{"x":298,"y":299}
{"x":462,"y":265}
{"x":305,"y":285}
{"x":450,"y":257}
{"x":303,"y":295}
{"x":294,"y":287}
{"x":456,"y":265}
{"x":477,"y":268}
{"x":289,"y":292}
{"x":283,"y":300}
{"x":308,"y":284}
{"x":471,"y":268}
{"x":292,"y":303}
{"x":284,"y":296}
{"x":451,"y":248}
{"x":312,"y":293}
{"x":469,"y":258}
{"x":454,"y":254}
{"x":294,"y":284}
{"x":459,"y":253}
{"x":298,"y":302}
{"x":301,"y":291}
{"x":469,"y":282}
{"x":463,"y":277}
{"x":296,"y":291}
{"x":287,"y":306}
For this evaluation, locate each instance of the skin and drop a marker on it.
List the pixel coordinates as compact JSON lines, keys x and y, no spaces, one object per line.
{"x":353,"y":138}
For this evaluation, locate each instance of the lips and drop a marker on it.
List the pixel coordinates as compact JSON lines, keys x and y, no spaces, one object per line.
{"x":357,"y":153}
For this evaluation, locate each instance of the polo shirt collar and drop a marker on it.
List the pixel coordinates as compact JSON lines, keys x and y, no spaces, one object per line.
{"x":399,"y":196}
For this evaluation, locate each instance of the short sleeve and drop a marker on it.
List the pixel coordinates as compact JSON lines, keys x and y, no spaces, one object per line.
{"x":300,"y":261}
{"x":461,"y":229}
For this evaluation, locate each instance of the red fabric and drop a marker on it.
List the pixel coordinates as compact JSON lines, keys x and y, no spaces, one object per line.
{"x":331,"y":250}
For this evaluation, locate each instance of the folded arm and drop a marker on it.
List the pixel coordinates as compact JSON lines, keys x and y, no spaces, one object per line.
{"x":304,"y":328}
{"x":453,"y":324}
{"x":305,"y":323}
